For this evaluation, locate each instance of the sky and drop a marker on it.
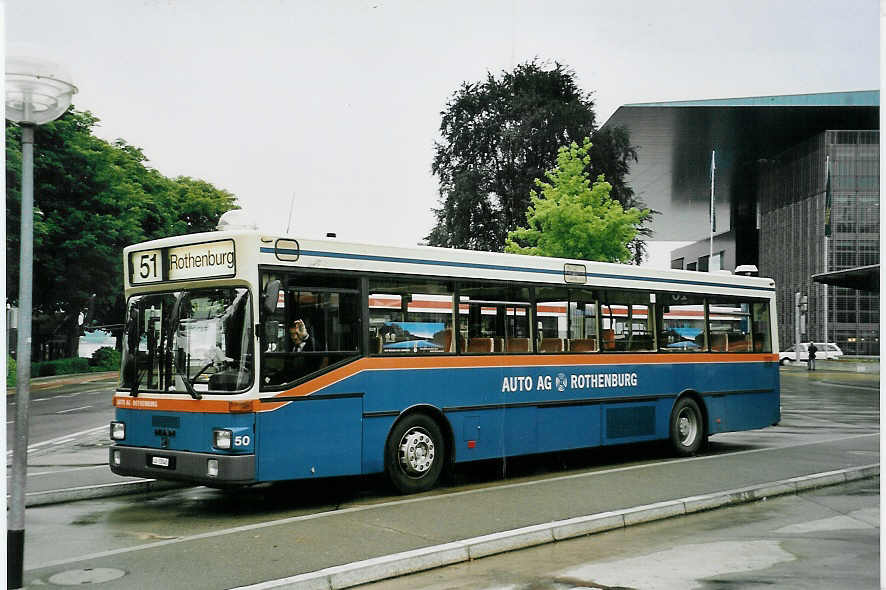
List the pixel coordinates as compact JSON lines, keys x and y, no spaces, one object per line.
{"x":331,"y":108}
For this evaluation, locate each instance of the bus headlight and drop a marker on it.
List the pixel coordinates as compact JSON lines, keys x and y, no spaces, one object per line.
{"x":212,"y":467}
{"x":118,"y":430}
{"x":221,"y":438}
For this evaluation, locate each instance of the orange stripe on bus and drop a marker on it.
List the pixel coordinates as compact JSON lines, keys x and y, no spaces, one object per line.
{"x":123,"y":400}
{"x":528,"y":360}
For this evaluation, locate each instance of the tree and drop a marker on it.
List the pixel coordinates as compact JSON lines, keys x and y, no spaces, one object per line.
{"x":92,"y":198}
{"x":573,"y":219}
{"x":498,"y":136}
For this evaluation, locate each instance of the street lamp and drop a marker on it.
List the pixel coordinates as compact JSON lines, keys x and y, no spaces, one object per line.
{"x":37,"y":92}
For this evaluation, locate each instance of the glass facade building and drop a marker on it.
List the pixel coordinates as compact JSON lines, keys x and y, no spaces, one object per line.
{"x":769,"y":199}
{"x":791,"y":193}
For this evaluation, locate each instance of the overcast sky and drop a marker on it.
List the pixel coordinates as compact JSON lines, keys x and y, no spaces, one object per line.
{"x":338,"y":103}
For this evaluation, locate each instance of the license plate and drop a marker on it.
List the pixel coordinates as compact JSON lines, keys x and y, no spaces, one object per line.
{"x":160,"y":461}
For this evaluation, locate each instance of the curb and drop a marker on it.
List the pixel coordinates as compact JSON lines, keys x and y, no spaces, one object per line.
{"x":410,"y":562}
{"x":105,"y":490}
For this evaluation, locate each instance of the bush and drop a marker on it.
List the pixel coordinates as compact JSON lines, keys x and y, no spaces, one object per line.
{"x":105,"y":358}
{"x":60,"y":367}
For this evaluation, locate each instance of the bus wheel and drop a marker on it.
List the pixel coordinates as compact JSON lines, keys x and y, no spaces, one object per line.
{"x":687,"y":428}
{"x":414,"y":454}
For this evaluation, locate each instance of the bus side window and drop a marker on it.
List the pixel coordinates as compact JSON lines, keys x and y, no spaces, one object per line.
{"x":627,"y":317}
{"x":329,"y":308}
{"x":729,"y":324}
{"x":410,"y":317}
{"x":495,"y":318}
{"x":762,"y":331}
{"x":681,"y":322}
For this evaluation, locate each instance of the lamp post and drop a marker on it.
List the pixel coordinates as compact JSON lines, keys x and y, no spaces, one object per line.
{"x":37,"y":92}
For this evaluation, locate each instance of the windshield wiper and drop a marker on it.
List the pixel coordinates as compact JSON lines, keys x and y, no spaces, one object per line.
{"x":133,"y":391}
{"x":189,"y":385}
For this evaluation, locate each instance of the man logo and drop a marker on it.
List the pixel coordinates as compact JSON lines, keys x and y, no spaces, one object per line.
{"x":561,"y":382}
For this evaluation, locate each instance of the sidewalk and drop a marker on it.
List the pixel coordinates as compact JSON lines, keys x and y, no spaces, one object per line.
{"x":843,"y":365}
{"x":838,"y":376}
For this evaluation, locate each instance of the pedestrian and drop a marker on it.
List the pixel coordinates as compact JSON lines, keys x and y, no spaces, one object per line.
{"x":812,"y":351}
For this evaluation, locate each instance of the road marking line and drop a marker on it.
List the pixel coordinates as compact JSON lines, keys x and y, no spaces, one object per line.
{"x":64,"y":437}
{"x":847,"y":386}
{"x":831,"y":412}
{"x":72,"y":409}
{"x":431,"y":498}
{"x":101,"y":466}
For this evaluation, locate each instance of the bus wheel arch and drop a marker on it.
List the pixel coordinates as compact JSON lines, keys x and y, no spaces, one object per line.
{"x":417,"y":449}
{"x":687,"y":424}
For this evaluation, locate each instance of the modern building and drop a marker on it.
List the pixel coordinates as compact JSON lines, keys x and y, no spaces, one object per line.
{"x":771,"y":157}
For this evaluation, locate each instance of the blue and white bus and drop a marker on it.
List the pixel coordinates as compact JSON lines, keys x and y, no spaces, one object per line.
{"x":252,"y":357}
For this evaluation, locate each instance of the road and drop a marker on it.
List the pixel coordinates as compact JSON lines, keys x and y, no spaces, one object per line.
{"x":62,"y":411}
{"x":202,"y":538}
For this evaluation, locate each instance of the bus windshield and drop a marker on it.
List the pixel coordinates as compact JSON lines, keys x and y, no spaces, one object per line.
{"x":196,"y":341}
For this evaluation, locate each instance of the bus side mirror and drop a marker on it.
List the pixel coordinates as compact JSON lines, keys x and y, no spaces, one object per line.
{"x":272,"y":295}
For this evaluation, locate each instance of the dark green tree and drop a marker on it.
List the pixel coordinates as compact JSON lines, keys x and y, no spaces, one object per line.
{"x":91,"y":198}
{"x":499,"y":135}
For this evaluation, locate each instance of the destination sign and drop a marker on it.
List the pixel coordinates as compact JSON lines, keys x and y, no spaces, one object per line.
{"x":183,"y":263}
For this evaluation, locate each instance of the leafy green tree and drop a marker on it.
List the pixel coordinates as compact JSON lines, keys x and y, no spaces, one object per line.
{"x":573,"y":218}
{"x":498,"y":136}
{"x":196,"y":205}
{"x":92,"y":198}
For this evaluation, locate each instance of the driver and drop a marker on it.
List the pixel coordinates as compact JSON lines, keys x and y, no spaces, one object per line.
{"x":301,"y":339}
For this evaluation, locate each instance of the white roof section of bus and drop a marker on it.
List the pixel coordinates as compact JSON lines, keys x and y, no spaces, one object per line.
{"x":257,"y":247}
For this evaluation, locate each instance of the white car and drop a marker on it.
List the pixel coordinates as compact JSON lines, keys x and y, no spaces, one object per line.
{"x":824,"y":351}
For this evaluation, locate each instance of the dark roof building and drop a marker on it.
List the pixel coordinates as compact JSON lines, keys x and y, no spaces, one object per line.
{"x":772,"y":155}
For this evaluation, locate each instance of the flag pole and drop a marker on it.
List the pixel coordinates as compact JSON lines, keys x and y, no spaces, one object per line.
{"x":713,"y":214}
{"x":827,"y":231}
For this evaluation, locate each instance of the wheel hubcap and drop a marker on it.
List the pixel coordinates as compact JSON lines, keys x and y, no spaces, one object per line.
{"x":687,"y":426}
{"x":416,"y":450}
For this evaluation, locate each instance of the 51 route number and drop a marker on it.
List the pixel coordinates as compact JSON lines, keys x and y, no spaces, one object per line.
{"x":147,"y":266}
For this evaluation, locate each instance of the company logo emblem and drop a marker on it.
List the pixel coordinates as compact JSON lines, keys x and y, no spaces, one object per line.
{"x":165,"y":434}
{"x":561,"y":382}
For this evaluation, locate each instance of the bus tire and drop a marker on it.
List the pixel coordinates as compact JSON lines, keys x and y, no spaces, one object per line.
{"x":687,"y":427}
{"x":415,"y":454}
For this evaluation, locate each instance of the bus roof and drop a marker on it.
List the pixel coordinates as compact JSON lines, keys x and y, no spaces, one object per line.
{"x":256,"y":248}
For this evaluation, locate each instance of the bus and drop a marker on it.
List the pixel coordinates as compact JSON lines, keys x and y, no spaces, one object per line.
{"x":252,"y":357}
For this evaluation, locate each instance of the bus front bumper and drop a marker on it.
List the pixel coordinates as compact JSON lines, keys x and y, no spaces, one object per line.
{"x":200,"y":468}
